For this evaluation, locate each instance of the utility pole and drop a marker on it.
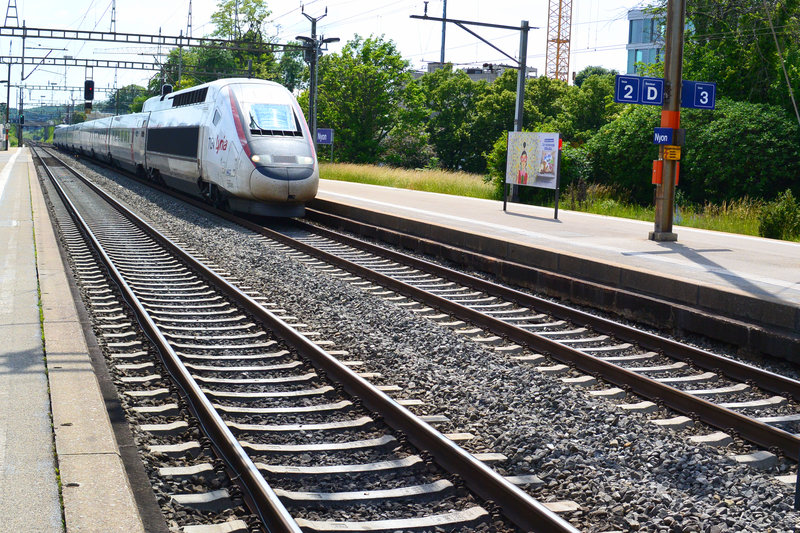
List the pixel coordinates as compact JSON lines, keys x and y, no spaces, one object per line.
{"x":189,"y":22}
{"x":444,"y":26}
{"x":524,"y":28}
{"x":21,"y":116}
{"x":312,"y":53}
{"x":670,"y":118}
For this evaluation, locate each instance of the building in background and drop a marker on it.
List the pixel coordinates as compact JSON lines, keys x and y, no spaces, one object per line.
{"x":487,"y":73}
{"x":645,"y":39}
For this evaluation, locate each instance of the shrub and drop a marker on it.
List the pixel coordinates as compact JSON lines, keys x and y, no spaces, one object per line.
{"x":739,"y":150}
{"x":575,"y":165}
{"x":621,"y":154}
{"x":407,"y":148}
{"x":780,"y":219}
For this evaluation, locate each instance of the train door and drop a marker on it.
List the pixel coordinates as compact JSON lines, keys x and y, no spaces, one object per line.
{"x":139,"y":141}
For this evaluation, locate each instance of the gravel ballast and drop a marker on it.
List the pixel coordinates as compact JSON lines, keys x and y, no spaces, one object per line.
{"x":625,"y":473}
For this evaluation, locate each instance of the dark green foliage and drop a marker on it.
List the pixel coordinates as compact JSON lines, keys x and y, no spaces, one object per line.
{"x":291,"y":69}
{"x":496,"y":162}
{"x":587,"y":109}
{"x":730,"y":42}
{"x":451,"y":98}
{"x":494,"y":113}
{"x":575,"y":165}
{"x":122,"y":100}
{"x":621,"y":153}
{"x":589,"y":71}
{"x":780,"y":219}
{"x":364,"y":92}
{"x":408,"y":147}
{"x":738,"y":150}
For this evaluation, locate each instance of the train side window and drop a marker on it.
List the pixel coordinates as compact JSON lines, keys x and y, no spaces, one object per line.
{"x":217,"y":117}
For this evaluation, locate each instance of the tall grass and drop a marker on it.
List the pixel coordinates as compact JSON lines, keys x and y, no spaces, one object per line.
{"x":440,"y":181}
{"x":737,"y":216}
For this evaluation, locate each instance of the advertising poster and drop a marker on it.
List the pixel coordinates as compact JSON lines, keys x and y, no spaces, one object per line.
{"x":532,"y":159}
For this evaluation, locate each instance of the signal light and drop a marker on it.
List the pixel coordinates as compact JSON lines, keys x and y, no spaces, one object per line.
{"x":88,"y":90}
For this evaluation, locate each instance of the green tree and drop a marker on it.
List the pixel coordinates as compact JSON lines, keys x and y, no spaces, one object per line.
{"x":589,"y":71}
{"x":363,"y":93}
{"x":495,"y":110}
{"x":451,"y":96}
{"x":243,"y":20}
{"x":730,"y":42}
{"x":120,"y":101}
{"x":587,"y":108}
{"x":292,"y":72}
{"x":740,"y":149}
{"x":244,"y":23}
{"x":621,"y":154}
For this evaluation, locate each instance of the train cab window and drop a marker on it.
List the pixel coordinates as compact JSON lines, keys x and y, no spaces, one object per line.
{"x":217,"y":117}
{"x":268,"y":110}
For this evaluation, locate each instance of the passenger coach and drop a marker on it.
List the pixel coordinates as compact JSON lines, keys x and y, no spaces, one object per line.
{"x":241,"y":144}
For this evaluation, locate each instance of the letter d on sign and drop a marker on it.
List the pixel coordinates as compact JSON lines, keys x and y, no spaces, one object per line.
{"x":652,"y":94}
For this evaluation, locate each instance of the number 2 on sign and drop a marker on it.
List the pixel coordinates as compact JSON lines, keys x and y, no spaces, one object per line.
{"x":628,"y":91}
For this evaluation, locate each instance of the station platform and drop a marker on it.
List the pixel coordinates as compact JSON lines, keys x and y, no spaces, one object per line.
{"x":56,"y":440}
{"x":750,"y":279}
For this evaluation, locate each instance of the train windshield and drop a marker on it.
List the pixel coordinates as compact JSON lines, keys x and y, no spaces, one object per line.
{"x":267,"y":110}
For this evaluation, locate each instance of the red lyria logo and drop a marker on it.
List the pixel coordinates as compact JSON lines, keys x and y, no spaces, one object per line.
{"x":222,"y":144}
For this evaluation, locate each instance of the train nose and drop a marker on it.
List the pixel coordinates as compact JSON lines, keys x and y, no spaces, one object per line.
{"x":284,"y":167}
{"x":284,"y":182}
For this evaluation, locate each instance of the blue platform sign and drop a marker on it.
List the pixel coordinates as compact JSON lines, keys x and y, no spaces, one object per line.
{"x":698,"y":94}
{"x":627,"y":89}
{"x":639,"y":90}
{"x":324,"y":136}
{"x":652,"y":91}
{"x":663,"y":136}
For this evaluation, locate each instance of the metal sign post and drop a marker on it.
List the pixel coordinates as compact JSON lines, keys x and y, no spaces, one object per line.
{"x":325,"y":136}
{"x":670,"y":118}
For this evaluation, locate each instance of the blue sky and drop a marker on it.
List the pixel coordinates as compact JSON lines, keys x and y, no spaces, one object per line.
{"x":599,"y":31}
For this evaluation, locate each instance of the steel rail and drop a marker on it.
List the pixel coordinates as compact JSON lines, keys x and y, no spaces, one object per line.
{"x":260,"y":497}
{"x":701,"y":358}
{"x":519,"y":507}
{"x":722,"y":418}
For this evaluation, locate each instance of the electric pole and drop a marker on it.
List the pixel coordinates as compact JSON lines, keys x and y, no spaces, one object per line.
{"x":444,"y":26}
{"x":312,"y":52}
{"x":670,"y":118}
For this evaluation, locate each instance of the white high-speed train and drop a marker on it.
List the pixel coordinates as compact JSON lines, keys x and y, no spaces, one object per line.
{"x":239,"y":143}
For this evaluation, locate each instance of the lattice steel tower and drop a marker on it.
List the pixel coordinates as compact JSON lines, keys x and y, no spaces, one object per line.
{"x":559,"y":31}
{"x":11,"y":14}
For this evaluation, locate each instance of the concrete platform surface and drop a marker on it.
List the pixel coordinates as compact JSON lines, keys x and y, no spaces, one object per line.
{"x":94,"y":487}
{"x":709,"y":269}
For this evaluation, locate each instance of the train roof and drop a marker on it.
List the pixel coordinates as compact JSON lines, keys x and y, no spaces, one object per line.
{"x":198,"y":93}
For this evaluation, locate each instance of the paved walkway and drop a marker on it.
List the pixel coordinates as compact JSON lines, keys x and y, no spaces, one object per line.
{"x":28,"y":489}
{"x":62,"y":393}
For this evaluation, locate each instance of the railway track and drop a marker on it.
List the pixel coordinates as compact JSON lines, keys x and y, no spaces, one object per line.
{"x":756,"y":405}
{"x":738,"y":399}
{"x":309,"y":442}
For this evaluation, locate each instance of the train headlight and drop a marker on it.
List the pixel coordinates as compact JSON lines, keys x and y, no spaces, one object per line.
{"x":305,"y":160}
{"x":266,"y":159}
